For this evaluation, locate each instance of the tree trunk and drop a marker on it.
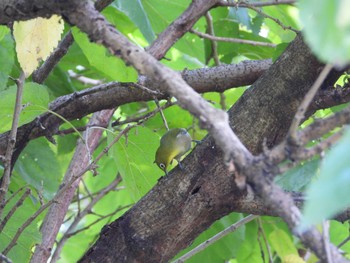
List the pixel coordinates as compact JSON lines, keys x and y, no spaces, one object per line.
{"x":185,"y":203}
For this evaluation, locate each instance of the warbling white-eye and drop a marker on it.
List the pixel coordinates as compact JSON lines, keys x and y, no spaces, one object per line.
{"x":173,"y":144}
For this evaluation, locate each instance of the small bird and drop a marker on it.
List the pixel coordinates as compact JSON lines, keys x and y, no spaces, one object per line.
{"x":173,"y":144}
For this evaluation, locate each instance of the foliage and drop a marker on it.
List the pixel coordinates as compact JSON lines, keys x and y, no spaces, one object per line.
{"x":42,"y":166}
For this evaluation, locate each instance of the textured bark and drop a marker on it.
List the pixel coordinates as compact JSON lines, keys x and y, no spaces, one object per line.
{"x":184,"y":204}
{"x":266,"y":110}
{"x":110,"y":95}
{"x":11,"y":11}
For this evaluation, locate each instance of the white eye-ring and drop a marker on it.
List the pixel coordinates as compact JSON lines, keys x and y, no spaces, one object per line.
{"x":162,"y":165}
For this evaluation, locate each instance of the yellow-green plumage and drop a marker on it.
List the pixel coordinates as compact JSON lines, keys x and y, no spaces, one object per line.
{"x":173,"y":144}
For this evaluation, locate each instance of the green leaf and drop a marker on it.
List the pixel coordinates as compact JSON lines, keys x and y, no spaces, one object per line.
{"x":297,"y":178}
{"x":241,"y":15}
{"x":162,"y":13}
{"x":7,"y":53}
{"x":249,"y":249}
{"x":223,"y":249}
{"x":327,"y":29}
{"x":134,"y":159}
{"x":282,"y":243}
{"x":35,"y":100}
{"x":172,"y":116}
{"x":39,"y":167}
{"x":4,"y":30}
{"x":111,"y":66}
{"x":135,"y":11}
{"x":338,"y":233}
{"x":284,"y":13}
{"x":330,"y":193}
{"x":257,"y":22}
{"x":30,"y":236}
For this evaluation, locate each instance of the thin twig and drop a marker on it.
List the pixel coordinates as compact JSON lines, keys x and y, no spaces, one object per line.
{"x":5,"y":259}
{"x":346,"y":240}
{"x":277,"y":21}
{"x":325,"y":236}
{"x":304,"y":154}
{"x":232,"y":40}
{"x":27,"y":223}
{"x":214,"y":44}
{"x":15,"y":193}
{"x":82,"y":214}
{"x":256,"y":4}
{"x":161,"y":113}
{"x":214,"y":48}
{"x":261,"y":230}
{"x":299,"y":116}
{"x":101,"y":217}
{"x":87,"y":189}
{"x":5,"y":180}
{"x":13,"y":209}
{"x":140,"y":119}
{"x":215,"y":238}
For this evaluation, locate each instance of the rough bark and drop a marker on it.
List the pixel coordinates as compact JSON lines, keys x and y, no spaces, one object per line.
{"x":110,"y":95}
{"x":184,"y":204}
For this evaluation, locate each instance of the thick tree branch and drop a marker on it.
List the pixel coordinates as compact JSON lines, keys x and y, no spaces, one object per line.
{"x":189,"y":186}
{"x":110,"y":95}
{"x":206,"y":192}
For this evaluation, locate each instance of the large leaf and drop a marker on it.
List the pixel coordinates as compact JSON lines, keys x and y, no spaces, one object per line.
{"x":330,"y":193}
{"x":135,"y":11}
{"x":35,"y":40}
{"x":98,"y":57}
{"x":249,"y":249}
{"x":39,"y":167}
{"x":284,"y":13}
{"x":297,"y":178}
{"x":134,"y":159}
{"x":35,"y":100}
{"x":327,"y":29}
{"x":283,"y":244}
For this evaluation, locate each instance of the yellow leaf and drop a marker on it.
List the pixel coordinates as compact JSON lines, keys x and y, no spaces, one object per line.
{"x":292,"y":259}
{"x":35,"y":40}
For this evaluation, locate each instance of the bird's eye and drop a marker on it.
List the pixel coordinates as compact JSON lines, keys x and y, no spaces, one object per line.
{"x":162,"y":166}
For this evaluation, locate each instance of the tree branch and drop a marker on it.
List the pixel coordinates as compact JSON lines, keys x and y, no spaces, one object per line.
{"x":81,"y":159}
{"x":11,"y":142}
{"x":110,"y":95}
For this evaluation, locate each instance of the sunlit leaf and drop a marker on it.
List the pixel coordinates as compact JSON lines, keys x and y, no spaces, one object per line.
{"x":35,"y":40}
{"x":100,"y":59}
{"x":282,"y":243}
